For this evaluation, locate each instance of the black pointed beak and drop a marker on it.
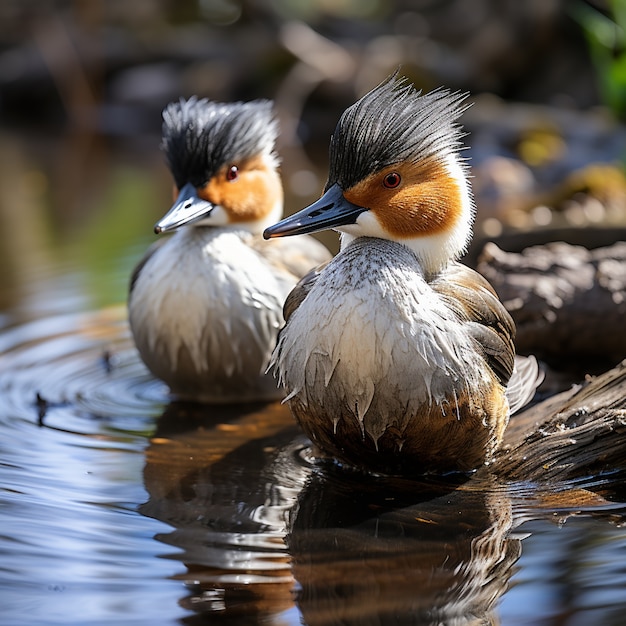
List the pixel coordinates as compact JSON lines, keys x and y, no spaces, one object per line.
{"x":330,"y":211}
{"x":187,"y":209}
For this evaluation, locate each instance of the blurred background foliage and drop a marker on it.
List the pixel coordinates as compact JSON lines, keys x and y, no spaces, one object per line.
{"x":83,"y":83}
{"x":606,"y":34}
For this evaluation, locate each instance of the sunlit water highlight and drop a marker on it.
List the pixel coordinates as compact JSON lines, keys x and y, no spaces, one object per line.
{"x":119,"y":507}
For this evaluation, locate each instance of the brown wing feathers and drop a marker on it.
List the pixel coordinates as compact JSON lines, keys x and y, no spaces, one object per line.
{"x":474,"y":301}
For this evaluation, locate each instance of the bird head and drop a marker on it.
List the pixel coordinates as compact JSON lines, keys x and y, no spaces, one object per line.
{"x":395,"y":172}
{"x":224,"y":167}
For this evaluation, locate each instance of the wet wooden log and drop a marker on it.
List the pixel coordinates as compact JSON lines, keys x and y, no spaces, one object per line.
{"x":567,"y":301}
{"x":577,"y":433}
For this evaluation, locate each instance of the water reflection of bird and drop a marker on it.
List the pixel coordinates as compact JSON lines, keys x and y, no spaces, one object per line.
{"x":205,"y":304}
{"x":395,"y":357}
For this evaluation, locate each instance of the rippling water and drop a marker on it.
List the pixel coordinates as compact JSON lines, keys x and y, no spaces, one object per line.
{"x":119,"y":506}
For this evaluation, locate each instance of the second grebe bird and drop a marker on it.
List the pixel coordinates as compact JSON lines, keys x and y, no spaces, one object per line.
{"x":205,"y":304}
{"x":395,"y":357}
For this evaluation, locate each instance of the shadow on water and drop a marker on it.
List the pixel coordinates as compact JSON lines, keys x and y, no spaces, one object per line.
{"x":118,"y":505}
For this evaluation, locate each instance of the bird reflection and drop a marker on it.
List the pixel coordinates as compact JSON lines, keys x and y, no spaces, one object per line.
{"x":402,"y":553}
{"x":262,"y":527}
{"x":215,"y":475}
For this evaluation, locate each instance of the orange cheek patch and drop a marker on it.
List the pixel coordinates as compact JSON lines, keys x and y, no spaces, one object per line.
{"x":252,"y":196}
{"x":427,"y":202}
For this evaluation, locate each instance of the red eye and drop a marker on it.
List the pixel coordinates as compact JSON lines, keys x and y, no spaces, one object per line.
{"x":392,"y":180}
{"x":232,"y":173}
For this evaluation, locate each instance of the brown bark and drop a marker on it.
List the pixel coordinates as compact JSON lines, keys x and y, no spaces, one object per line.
{"x":566,"y":301}
{"x":579,"y":432}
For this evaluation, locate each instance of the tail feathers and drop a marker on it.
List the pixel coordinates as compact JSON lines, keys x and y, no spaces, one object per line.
{"x":526,"y":377}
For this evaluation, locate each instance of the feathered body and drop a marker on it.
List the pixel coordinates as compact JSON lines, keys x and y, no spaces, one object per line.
{"x":205,"y":304}
{"x":395,"y":357}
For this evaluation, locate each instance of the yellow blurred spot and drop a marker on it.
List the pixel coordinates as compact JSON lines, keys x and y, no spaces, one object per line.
{"x":160,"y":440}
{"x":541,"y":146}
{"x":228,"y":427}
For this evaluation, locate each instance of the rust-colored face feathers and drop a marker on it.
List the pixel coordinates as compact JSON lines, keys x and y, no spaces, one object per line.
{"x":246,"y":191}
{"x":425,"y":199}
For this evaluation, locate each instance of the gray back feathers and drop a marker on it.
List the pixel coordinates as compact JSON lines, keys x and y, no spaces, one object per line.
{"x":200,"y":136}
{"x":390,"y":124}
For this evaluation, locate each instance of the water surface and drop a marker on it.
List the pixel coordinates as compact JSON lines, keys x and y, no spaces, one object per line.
{"x":118,"y":505}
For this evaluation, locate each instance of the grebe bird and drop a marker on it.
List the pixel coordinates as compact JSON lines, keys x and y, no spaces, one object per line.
{"x":205,"y":304}
{"x":395,"y":357}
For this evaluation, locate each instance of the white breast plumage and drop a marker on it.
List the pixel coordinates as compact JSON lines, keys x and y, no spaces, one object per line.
{"x":372,"y":334}
{"x":221,"y":297}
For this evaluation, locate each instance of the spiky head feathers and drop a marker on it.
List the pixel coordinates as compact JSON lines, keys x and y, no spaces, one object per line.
{"x":393,"y":123}
{"x":201,"y":136}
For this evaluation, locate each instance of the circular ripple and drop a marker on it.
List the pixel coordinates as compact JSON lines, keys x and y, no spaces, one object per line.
{"x":76,"y":367}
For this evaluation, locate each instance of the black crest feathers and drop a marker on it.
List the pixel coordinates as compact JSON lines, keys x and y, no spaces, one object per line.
{"x":200,"y":136}
{"x":392,"y":123}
